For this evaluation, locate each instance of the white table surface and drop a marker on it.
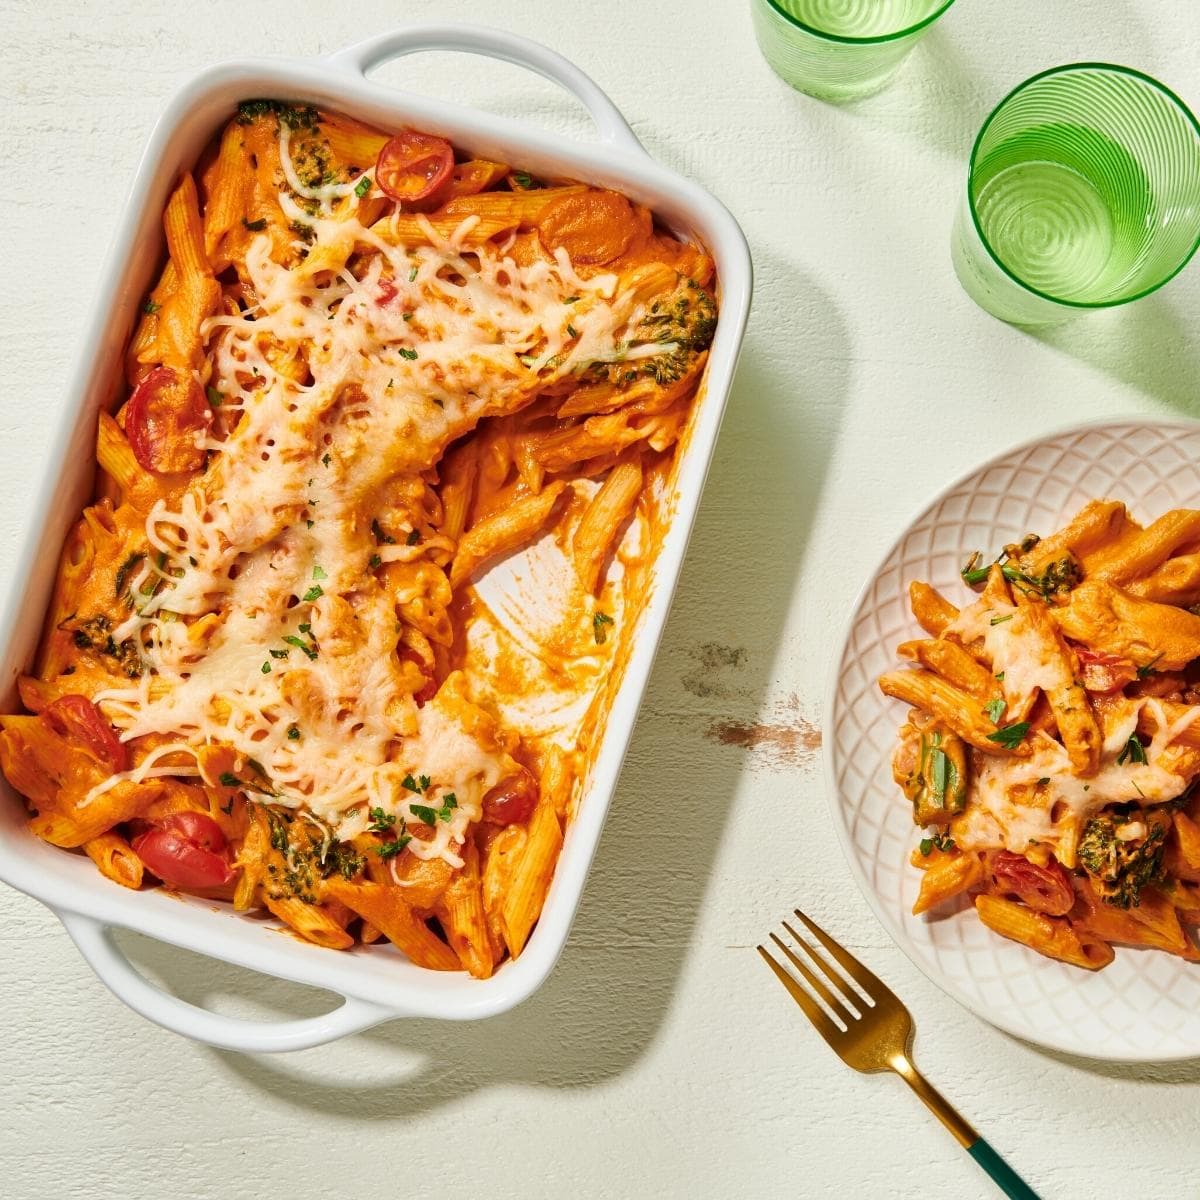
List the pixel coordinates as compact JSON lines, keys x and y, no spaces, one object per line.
{"x":660,"y":1059}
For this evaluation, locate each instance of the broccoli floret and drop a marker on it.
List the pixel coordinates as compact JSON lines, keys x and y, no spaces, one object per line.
{"x":294,"y":116}
{"x":683,"y":323}
{"x":1121,"y":868}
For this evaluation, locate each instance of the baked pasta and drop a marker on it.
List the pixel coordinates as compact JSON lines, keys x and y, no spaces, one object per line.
{"x":369,"y":370}
{"x":1052,"y":749}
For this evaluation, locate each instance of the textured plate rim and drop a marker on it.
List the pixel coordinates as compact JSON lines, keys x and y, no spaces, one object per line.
{"x":896,"y":931}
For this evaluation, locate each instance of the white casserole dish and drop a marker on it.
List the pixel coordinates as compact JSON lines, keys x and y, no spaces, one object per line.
{"x":376,"y":985}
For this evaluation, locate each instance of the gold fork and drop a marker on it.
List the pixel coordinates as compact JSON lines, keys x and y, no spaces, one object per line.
{"x":877,"y":1035}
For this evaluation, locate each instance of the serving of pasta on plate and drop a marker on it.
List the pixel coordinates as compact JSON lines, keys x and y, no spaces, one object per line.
{"x":371,"y":368}
{"x":1052,"y":749}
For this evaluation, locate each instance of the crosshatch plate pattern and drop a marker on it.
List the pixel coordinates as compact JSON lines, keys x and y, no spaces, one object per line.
{"x":1146,"y":1005}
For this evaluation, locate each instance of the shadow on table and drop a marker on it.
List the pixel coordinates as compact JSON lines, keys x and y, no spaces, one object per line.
{"x":603,"y":1005}
{"x":1146,"y":345}
{"x":1186,"y":1071}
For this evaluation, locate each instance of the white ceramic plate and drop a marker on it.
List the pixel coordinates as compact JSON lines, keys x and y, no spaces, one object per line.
{"x":1146,"y":1005}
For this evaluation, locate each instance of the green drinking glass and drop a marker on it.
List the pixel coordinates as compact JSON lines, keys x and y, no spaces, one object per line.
{"x":840,"y":49}
{"x":1083,"y":192}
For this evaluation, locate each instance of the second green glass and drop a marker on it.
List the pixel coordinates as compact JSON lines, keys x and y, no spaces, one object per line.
{"x":840,"y":49}
{"x":1083,"y":192}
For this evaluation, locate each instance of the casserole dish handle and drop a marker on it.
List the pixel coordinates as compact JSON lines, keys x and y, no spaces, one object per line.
{"x":128,"y":984}
{"x":507,"y":47}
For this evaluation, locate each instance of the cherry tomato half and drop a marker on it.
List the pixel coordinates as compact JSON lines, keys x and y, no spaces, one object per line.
{"x":1044,"y":889}
{"x":413,"y":166}
{"x":185,"y":850}
{"x":76,"y":717}
{"x":1104,"y":673}
{"x":163,"y":416}
{"x":512,"y":800}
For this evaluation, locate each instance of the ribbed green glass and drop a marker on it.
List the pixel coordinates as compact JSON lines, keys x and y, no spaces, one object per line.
{"x":840,"y":49}
{"x":1083,"y":192}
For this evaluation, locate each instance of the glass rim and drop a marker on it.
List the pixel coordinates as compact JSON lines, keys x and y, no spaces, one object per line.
{"x":1116,"y":69}
{"x":876,"y":40}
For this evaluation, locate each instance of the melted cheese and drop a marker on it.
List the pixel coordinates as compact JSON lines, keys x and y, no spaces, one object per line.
{"x":1014,"y":801}
{"x":268,"y":631}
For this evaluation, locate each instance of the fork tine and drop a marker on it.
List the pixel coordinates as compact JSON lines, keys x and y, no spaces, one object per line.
{"x":831,"y":972}
{"x":871,"y":984}
{"x":812,"y":1010}
{"x":814,"y":981}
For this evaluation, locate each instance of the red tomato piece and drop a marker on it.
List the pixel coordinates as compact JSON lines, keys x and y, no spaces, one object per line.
{"x":186,"y":850}
{"x":427,"y":693}
{"x":76,"y":717}
{"x":1104,"y":672}
{"x":1044,"y":889}
{"x":512,"y":800}
{"x":163,"y":416}
{"x":414,"y":166}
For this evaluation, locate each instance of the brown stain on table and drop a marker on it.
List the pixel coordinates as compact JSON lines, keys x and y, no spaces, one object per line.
{"x":788,"y":740}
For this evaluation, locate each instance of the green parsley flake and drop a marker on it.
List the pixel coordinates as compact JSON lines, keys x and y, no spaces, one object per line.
{"x":363,"y":186}
{"x":405,"y":352}
{"x":995,"y":710}
{"x":412,"y":275}
{"x":318,"y":573}
{"x":1011,"y":736}
{"x":255,"y":226}
{"x":599,"y":621}
{"x":228,"y":780}
{"x":215,"y":398}
{"x":150,"y":308}
{"x":292,"y":640}
{"x":414,"y":536}
{"x":293,"y":733}
{"x":266,"y":668}
{"x":374,"y":561}
{"x":1134,"y":752}
{"x":314,"y":593}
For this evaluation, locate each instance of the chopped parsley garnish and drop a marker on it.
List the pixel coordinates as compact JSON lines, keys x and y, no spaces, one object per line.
{"x":389,"y":385}
{"x":939,"y":841}
{"x":599,"y":621}
{"x":305,"y":628}
{"x":326,"y":459}
{"x":293,"y":733}
{"x":414,"y":536}
{"x":266,"y":668}
{"x":1148,"y":669}
{"x":314,"y":593}
{"x":1000,"y":677}
{"x":374,"y":561}
{"x":571,"y":331}
{"x":1045,"y":779}
{"x":406,"y":316}
{"x":1001,"y":620}
{"x":412,"y":275}
{"x":405,"y":352}
{"x":431,"y":816}
{"x":523,"y":179}
{"x":414,"y":785}
{"x":995,"y":710}
{"x":255,"y":226}
{"x":363,"y":186}
{"x":278,"y":653}
{"x":227,"y":809}
{"x":310,"y":651}
{"x":1011,"y":736}
{"x":150,"y":308}
{"x":229,"y":780}
{"x":391,"y":849}
{"x":381,"y":820}
{"x":381,"y":537}
{"x":318,"y":573}
{"x":215,"y":399}
{"x":1134,"y":751}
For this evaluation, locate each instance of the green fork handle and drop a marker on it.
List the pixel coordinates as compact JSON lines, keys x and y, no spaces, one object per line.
{"x":1005,"y":1178}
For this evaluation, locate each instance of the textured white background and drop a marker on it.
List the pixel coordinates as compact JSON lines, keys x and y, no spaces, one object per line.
{"x":661,"y":1059}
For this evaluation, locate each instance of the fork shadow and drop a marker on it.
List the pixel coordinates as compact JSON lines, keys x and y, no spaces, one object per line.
{"x":603,"y":1006}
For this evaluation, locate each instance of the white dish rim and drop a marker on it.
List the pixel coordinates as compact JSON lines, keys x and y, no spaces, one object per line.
{"x":829,"y":753}
{"x":90,"y":907}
